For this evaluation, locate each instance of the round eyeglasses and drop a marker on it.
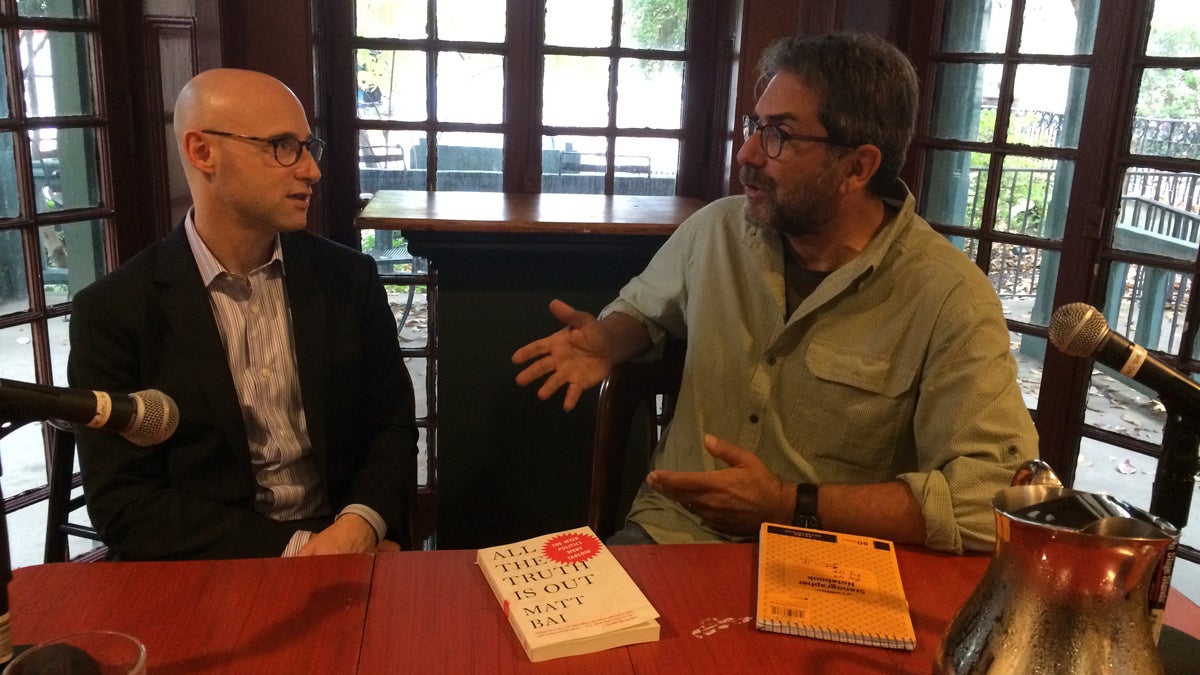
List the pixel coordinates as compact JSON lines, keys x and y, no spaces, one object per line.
{"x":287,"y":148}
{"x":773,"y":138}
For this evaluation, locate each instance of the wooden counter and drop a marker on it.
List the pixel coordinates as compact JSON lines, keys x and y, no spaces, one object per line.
{"x":510,"y":466}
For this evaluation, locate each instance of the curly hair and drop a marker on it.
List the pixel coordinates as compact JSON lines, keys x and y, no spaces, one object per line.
{"x":868,"y":91}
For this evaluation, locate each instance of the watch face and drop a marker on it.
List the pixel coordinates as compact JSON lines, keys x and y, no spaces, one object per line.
{"x":807,"y":520}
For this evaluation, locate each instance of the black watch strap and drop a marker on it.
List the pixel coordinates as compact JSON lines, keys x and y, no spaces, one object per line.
{"x":805,"y":514}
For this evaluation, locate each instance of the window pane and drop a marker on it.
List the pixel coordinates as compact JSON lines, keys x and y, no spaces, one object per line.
{"x":976,"y":25}
{"x":653,"y":24}
{"x":1175,"y":29}
{"x":470,"y":20}
{"x":72,"y":258}
{"x":1147,"y":304}
{"x":14,"y":292}
{"x":469,"y":161}
{"x":470,"y":88}
{"x":68,"y":178}
{"x":4,"y":111}
{"x":1159,"y":213}
{"x":572,"y":23}
{"x":386,"y":161}
{"x":400,"y":19}
{"x":1167,"y":112}
{"x":646,"y":166}
{"x":1059,"y":27}
{"x":1048,"y":105}
{"x":59,"y":9}
{"x":965,"y":101}
{"x":1024,"y":278}
{"x":1030,"y":354}
{"x":574,"y":164}
{"x":575,"y":91}
{"x":1033,"y":196}
{"x":649,"y":94}
{"x":954,"y":186}
{"x":57,"y":73}
{"x":10,"y":207}
{"x":391,"y":85}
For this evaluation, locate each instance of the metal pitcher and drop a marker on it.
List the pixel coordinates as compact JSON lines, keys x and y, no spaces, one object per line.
{"x":1068,"y":587}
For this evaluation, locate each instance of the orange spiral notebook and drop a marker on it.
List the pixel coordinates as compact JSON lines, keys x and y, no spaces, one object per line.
{"x":831,"y":586}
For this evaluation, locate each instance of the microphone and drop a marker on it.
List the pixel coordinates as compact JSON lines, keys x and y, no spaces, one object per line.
{"x":1078,"y":329}
{"x":143,"y":418}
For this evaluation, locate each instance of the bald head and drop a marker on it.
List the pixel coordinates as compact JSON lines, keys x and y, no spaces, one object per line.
{"x":230,"y":99}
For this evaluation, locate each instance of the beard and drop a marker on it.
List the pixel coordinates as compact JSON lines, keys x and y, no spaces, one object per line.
{"x":796,"y":209}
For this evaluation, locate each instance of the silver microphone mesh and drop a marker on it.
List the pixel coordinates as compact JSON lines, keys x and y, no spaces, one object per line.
{"x":156,"y":418}
{"x":1077,"y":329}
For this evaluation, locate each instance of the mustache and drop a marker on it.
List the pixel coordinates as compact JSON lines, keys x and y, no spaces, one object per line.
{"x":749,"y":175}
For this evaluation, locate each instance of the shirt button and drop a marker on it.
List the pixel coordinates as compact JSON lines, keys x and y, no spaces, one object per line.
{"x":753,"y":419}
{"x":266,"y":372}
{"x":254,"y":309}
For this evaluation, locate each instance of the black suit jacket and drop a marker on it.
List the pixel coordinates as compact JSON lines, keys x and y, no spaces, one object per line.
{"x":148,"y":325}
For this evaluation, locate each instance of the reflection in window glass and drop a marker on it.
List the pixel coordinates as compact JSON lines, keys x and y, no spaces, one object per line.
{"x":10,"y":206}
{"x":58,"y":9}
{"x":1024,"y":278}
{"x":574,"y":164}
{"x":386,"y":160}
{"x":1029,"y":351}
{"x":1047,"y":106}
{"x":575,"y":91}
{"x":646,"y":166}
{"x":400,"y":19}
{"x":650,"y":24}
{"x":470,"y":161}
{"x":1167,"y":123}
{"x":1159,"y":213}
{"x":14,"y":291}
{"x":1059,"y":27}
{"x":571,"y":23}
{"x":965,"y":101}
{"x":470,"y":20}
{"x":976,"y":25}
{"x":1175,"y":29}
{"x":649,"y":94}
{"x":1147,"y":304}
{"x":57,"y":73}
{"x":66,"y":172}
{"x":72,"y":257}
{"x":391,"y":85}
{"x":1033,"y":196}
{"x":954,"y":187}
{"x":470,"y":88}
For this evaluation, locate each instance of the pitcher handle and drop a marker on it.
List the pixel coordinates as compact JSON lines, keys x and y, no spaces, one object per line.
{"x":1035,"y":472}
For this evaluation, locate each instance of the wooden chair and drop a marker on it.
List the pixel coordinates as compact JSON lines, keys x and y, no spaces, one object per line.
{"x":63,"y":479}
{"x":628,"y":421}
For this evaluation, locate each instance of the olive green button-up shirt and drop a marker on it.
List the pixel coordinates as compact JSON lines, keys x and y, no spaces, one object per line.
{"x":896,"y":367}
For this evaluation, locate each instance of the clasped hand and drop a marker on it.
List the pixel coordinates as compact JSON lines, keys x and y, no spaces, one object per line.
{"x":735,"y":500}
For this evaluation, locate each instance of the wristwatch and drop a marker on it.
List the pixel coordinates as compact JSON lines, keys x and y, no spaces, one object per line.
{"x":805,"y":514}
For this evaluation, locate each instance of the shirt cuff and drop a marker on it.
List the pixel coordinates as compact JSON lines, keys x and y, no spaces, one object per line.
{"x":299,"y":539}
{"x":371,"y":517}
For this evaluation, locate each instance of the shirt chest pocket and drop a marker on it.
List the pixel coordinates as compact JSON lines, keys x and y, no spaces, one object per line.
{"x":859,"y":407}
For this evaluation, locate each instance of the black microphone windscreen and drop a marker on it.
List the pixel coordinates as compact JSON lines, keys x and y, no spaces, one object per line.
{"x":1077,"y":329}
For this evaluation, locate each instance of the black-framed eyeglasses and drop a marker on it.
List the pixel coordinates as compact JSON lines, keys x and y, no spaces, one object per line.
{"x":287,"y":148}
{"x":773,"y":138}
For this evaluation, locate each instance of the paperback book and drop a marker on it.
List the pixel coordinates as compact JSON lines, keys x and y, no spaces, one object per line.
{"x":831,"y":586}
{"x":565,"y":594}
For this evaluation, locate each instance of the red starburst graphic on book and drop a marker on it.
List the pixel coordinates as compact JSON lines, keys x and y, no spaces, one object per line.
{"x":571,"y":547}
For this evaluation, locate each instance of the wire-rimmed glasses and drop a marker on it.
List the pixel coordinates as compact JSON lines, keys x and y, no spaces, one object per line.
{"x":773,"y":138}
{"x":287,"y":148}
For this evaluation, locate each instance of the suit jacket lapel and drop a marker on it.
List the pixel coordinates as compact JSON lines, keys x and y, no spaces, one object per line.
{"x":187,"y":310}
{"x":306,"y":297}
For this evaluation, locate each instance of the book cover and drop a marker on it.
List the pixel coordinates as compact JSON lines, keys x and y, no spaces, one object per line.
{"x":565,"y":594}
{"x":831,"y":586}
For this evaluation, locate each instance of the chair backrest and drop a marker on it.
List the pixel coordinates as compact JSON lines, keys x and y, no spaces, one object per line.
{"x":629,"y":394}
{"x":63,"y":479}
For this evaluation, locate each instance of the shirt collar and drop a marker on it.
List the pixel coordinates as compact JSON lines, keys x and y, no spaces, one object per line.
{"x":210,"y":267}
